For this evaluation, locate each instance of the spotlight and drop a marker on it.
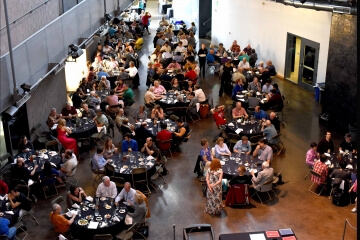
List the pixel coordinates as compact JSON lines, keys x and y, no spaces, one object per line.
{"x":75,"y":51}
{"x":108,"y":17}
{"x":25,"y":87}
{"x":303,"y":1}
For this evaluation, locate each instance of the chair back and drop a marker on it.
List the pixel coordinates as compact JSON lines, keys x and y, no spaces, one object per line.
{"x":24,"y":189}
{"x":238,"y":195}
{"x":73,"y":171}
{"x":4,"y":159}
{"x":59,"y":200}
{"x":267,"y":186}
{"x":315,"y":174}
{"x":103,"y":237}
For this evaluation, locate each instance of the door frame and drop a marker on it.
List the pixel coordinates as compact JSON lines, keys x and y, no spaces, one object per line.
{"x":304,"y":42}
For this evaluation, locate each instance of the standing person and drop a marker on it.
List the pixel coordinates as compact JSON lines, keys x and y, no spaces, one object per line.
{"x":146,"y":21}
{"x":68,"y":143}
{"x":202,"y":58}
{"x":214,"y":189}
{"x":225,"y":79}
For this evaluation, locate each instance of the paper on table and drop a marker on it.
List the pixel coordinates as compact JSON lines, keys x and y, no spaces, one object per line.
{"x":222,"y":163}
{"x":53,"y":164}
{"x":93,"y":225}
{"x":175,"y":101}
{"x":150,"y":157}
{"x":2,"y":198}
{"x":71,"y":213}
{"x":250,"y":131}
{"x":122,"y":170}
{"x":9,"y":212}
{"x":258,"y":236}
{"x":89,"y":198}
{"x":30,"y":182}
{"x":169,"y":101}
{"x":239,"y":130}
{"x":327,"y":154}
{"x":349,"y":166}
{"x":54,"y":127}
{"x":75,"y":206}
{"x":103,"y":224}
{"x":328,"y":162}
{"x":166,"y":120}
{"x":148,"y":120}
{"x":261,"y":101}
{"x":116,"y":219}
{"x":243,"y":100}
{"x":162,"y":100}
{"x":149,"y":164}
{"x":231,"y":124}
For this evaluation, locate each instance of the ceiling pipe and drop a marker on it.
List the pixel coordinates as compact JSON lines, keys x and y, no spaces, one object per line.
{"x":320,"y":6}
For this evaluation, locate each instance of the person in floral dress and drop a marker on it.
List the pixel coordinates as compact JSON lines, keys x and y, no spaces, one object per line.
{"x":214,"y":190}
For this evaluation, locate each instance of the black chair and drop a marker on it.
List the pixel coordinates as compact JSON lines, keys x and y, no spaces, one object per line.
{"x":98,"y":174}
{"x":139,"y":176}
{"x":110,"y":171}
{"x":103,"y":237}
{"x":5,"y":163}
{"x":184,"y":140}
{"x":163,"y":152}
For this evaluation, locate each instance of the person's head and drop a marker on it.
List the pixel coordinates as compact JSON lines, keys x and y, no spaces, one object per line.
{"x":127,"y":137}
{"x":138,"y":199}
{"x":74,"y":190}
{"x":68,"y":153}
{"x":157,"y":107}
{"x":267,"y":123}
{"x":47,"y":168}
{"x":20,"y":162}
{"x":234,"y":42}
{"x":221,"y":45}
{"x":244,"y":139}
{"x":106,"y":181}
{"x":348,"y":137}
{"x":211,"y":51}
{"x":141,"y":108}
{"x":217,"y":108}
{"x":322,"y":158}
{"x":267,"y":82}
{"x":203,"y":46}
{"x":328,"y":135}
{"x":98,"y":112}
{"x":174,"y":81}
{"x":62,"y":122}
{"x":85,"y":106}
{"x":215,"y":164}
{"x":127,"y":186}
{"x":257,"y":109}
{"x":108,"y":143}
{"x":196,"y":86}
{"x":121,"y":112}
{"x":163,"y":125}
{"x":244,"y":60}
{"x":241,"y":170}
{"x":131,"y":64}
{"x":149,"y":141}
{"x":342,"y":164}
{"x":179,"y":122}
{"x":24,"y":139}
{"x":220,"y":140}
{"x":144,"y":124}
{"x":255,"y":80}
{"x":56,"y":208}
{"x":112,"y":92}
{"x":53,"y":111}
{"x":276,"y":86}
{"x":100,"y":150}
{"x":265,"y":164}
{"x":150,"y":64}
{"x":125,"y":121}
{"x":156,"y":83}
{"x":238,"y":105}
{"x":204,"y":142}
{"x":268,"y":62}
{"x":263,"y":142}
{"x":273,"y":91}
{"x":248,"y":46}
{"x":313,"y":145}
{"x":272,"y":115}
{"x":68,"y":105}
{"x":103,"y":78}
{"x":253,"y":51}
{"x":261,"y":64}
{"x":180,"y":43}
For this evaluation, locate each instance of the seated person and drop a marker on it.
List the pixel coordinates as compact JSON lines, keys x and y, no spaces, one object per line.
{"x":25,"y":145}
{"x":312,"y":155}
{"x":173,"y":65}
{"x":85,"y":86}
{"x":60,"y":223}
{"x":163,"y":135}
{"x":98,"y":160}
{"x":75,"y":195}
{"x":149,"y":148}
{"x":104,"y":84}
{"x":259,"y":114}
{"x":347,"y":144}
{"x":244,"y":64}
{"x":119,"y":89}
{"x":267,"y":87}
{"x":263,"y":150}
{"x":120,"y":118}
{"x":50,"y":175}
{"x":113,"y":100}
{"x":77,"y":98}
{"x":181,"y":131}
{"x":178,"y":58}
{"x":321,"y":168}
{"x":210,"y":58}
{"x":263,"y":176}
{"x":139,"y":209}
{"x":129,"y":144}
{"x":254,"y":85}
{"x":274,"y":121}
{"x":218,"y":115}
{"x":180,"y":48}
{"x":241,"y":178}
{"x":141,"y":115}
{"x":268,"y":71}
{"x":243,"y":145}
{"x":19,"y":200}
{"x":126,"y":127}
{"x":221,"y":149}
{"x":68,"y":112}
{"x":237,"y":89}
{"x":276,"y":87}
{"x":127,"y":96}
{"x":150,"y":97}
{"x":139,"y":42}
{"x":106,"y":189}
{"x":239,"y":112}
{"x":87,"y":112}
{"x":109,"y":148}
{"x":253,"y":101}
{"x":127,"y":195}
{"x":158,"y":89}
{"x":341,"y":173}
{"x":19,"y":171}
{"x":193,"y":108}
{"x":199,"y":93}
{"x":275,"y":99}
{"x":69,"y":163}
{"x":142,"y":133}
{"x":175,"y":86}
{"x":165,"y":77}
{"x":157,"y":112}
{"x":166,"y":47}
{"x":53,"y":118}
{"x":190,"y":75}
{"x":179,"y":76}
{"x":235,"y":48}
{"x":205,"y":152}
{"x":100,"y":119}
{"x":10,"y":233}
{"x":93,"y":100}
{"x":269,"y":132}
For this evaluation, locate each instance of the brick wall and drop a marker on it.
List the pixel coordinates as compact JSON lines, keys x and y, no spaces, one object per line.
{"x":27,"y":25}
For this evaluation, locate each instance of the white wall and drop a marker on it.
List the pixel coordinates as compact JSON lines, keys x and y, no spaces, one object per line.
{"x":186,"y":10}
{"x":265,"y":25}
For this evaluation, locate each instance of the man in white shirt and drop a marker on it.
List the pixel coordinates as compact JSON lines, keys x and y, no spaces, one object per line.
{"x":132,"y":70}
{"x":244,"y":64}
{"x":70,"y":162}
{"x":199,"y":93}
{"x":180,"y":47}
{"x":166,"y":47}
{"x":127,"y":194}
{"x":267,"y":87}
{"x":106,"y":189}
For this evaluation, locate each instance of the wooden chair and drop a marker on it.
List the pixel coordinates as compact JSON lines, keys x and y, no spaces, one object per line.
{"x":322,"y":186}
{"x":265,"y":188}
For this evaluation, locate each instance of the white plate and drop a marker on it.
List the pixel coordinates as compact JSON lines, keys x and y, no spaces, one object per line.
{"x":254,"y":170}
{"x":122,"y":211}
{"x":327,"y":154}
{"x":102,"y":198}
{"x":202,"y":55}
{"x":30,"y":168}
{"x":247,"y":164}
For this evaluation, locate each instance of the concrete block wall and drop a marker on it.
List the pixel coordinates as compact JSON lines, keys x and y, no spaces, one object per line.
{"x":27,"y":25}
{"x":51,"y":92}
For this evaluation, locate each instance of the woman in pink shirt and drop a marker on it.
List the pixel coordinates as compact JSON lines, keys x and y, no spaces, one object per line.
{"x":311,"y":154}
{"x":158,"y":89}
{"x":112,"y":100}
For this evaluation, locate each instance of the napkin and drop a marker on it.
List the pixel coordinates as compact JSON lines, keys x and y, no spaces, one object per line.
{"x":53,"y":164}
{"x":30,"y":182}
{"x":250,"y":131}
{"x":222,"y":163}
{"x":122,"y":170}
{"x":93,"y":225}
{"x":150,"y":157}
{"x":328,"y":162}
{"x":54,"y":127}
{"x":327,"y":154}
{"x":61,"y":237}
{"x":230,"y":124}
{"x":116,"y":219}
{"x":149,"y":164}
{"x":71,"y":213}
{"x":162,"y":100}
{"x":89,"y":198}
{"x":264,"y":99}
{"x":46,"y":157}
{"x":169,"y":101}
{"x":349,"y":166}
{"x":9,"y":212}
{"x":148,"y":120}
{"x":2,"y":197}
{"x":241,"y":99}
{"x":239,"y":130}
{"x":175,"y":101}
{"x":75,"y":206}
{"x":244,"y":91}
{"x":128,"y":220}
{"x":261,"y":101}
{"x":258,"y":93}
{"x":166,"y":120}
{"x":103,"y":224}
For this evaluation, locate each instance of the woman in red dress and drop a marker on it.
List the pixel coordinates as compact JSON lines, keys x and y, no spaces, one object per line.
{"x":68,"y":143}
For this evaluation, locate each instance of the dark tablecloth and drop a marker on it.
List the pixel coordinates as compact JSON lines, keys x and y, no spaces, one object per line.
{"x":255,"y":127}
{"x":230,"y":166}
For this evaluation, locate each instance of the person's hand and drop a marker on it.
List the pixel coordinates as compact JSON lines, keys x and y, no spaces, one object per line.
{"x":36,"y":166}
{"x":145,"y":145}
{"x":252,"y":173}
{"x":108,"y":160}
{"x":248,"y":153}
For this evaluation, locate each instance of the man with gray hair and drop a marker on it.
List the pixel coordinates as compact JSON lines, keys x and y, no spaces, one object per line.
{"x":263,"y":176}
{"x":60,"y":223}
{"x":68,"y":112}
{"x":53,"y":118}
{"x":127,"y":194}
{"x":93,"y":100}
{"x":104,"y":84}
{"x":269,"y":132}
{"x":106,"y":189}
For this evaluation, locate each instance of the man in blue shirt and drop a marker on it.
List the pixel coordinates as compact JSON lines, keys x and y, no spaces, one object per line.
{"x":210,"y":58}
{"x":129,"y":143}
{"x":5,"y":230}
{"x":98,"y":160}
{"x":243,"y":145}
{"x":259,"y":113}
{"x":102,"y":73}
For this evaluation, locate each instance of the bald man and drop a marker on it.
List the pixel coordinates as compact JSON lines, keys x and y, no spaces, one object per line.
{"x":106,"y":189}
{"x":238,"y":111}
{"x":127,"y":194}
{"x":275,"y":121}
{"x":269,"y":132}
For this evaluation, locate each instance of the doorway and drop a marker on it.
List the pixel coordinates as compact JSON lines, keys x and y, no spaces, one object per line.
{"x":301,"y":63}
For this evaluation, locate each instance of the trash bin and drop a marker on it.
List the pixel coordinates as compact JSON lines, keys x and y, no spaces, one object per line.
{"x":318,"y":89}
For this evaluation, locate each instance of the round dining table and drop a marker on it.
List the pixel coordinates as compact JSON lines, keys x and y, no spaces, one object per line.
{"x":247,"y":128}
{"x":231,"y":164}
{"x":109,"y":219}
{"x":81,"y":128}
{"x":155,"y":128}
{"x":244,"y":95}
{"x":170,"y":99}
{"x":333,"y":159}
{"x":125,"y":162}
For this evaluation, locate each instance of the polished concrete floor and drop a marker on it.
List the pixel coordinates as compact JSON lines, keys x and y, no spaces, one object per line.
{"x":180,"y":200}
